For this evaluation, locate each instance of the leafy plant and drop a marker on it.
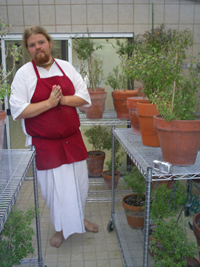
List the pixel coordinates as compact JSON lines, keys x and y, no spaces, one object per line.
{"x":99,"y":137}
{"x":91,"y":65}
{"x":157,"y":62}
{"x":119,"y":79}
{"x":135,"y":181}
{"x":16,"y":237}
{"x":170,"y":244}
{"x":118,"y":156}
{"x":166,"y":201}
{"x":14,"y":52}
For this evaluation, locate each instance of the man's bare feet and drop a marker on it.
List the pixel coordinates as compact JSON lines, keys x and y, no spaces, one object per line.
{"x":91,"y":227}
{"x":56,"y":239}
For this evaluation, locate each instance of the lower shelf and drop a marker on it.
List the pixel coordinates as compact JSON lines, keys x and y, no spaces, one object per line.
{"x":99,"y":193}
{"x":131,"y":242}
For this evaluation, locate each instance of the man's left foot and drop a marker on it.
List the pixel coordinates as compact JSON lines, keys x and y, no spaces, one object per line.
{"x":91,"y":227}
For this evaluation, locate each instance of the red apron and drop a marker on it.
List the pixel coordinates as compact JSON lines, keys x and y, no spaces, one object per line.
{"x":55,"y":133}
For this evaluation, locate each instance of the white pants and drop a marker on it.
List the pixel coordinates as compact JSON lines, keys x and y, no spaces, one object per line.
{"x":65,"y":190}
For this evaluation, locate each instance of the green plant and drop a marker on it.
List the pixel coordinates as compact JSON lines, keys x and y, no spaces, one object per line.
{"x":157,"y":62}
{"x":135,"y":181}
{"x":118,"y":156}
{"x":119,"y":79}
{"x":99,"y":137}
{"x":166,"y":201}
{"x":170,"y":244}
{"x":91,"y":64}
{"x":14,"y":52}
{"x":16,"y":237}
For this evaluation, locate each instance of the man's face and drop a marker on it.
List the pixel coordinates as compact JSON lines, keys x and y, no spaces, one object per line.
{"x":39,"y":48}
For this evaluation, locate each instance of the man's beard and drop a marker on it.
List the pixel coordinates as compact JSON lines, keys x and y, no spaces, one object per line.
{"x":41,"y":59}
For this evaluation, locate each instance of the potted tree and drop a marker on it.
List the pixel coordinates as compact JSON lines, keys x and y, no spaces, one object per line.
{"x":107,"y":174}
{"x":148,"y":64}
{"x":92,"y":71}
{"x":120,"y":81}
{"x":134,"y":203}
{"x":99,"y":138}
{"x":4,"y":84}
{"x":16,"y":237}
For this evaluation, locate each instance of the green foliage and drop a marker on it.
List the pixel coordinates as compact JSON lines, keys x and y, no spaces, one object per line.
{"x":118,"y":156}
{"x":91,"y":65}
{"x":135,"y":181}
{"x":16,"y":237}
{"x":166,"y":201}
{"x":119,"y":79}
{"x":98,"y":137}
{"x":174,"y":246}
{"x":14,"y":52}
{"x":157,"y":62}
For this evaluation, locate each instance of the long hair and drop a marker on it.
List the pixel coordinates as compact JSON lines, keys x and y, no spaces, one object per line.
{"x":35,"y":30}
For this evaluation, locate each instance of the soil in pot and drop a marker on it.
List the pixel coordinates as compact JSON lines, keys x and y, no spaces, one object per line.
{"x":134,"y":212}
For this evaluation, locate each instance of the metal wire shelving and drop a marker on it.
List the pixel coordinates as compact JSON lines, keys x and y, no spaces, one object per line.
{"x":134,"y":243}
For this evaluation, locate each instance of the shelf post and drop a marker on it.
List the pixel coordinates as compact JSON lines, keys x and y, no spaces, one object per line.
{"x":147,"y":215}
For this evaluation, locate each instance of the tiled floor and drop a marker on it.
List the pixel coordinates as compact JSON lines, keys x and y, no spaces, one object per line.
{"x":80,"y":250}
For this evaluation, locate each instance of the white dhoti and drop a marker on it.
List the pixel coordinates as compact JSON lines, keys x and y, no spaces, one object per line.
{"x":65,"y":190}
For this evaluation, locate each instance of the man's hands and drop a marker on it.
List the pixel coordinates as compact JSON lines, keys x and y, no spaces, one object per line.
{"x":55,"y":96}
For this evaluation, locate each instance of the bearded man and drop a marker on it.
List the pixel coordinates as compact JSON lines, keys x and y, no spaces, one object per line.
{"x":45,"y":94}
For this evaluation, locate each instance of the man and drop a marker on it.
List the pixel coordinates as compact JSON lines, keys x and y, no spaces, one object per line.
{"x":45,"y":94}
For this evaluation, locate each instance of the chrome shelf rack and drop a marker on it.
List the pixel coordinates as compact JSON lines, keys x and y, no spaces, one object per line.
{"x":134,"y":243}
{"x":14,"y":166}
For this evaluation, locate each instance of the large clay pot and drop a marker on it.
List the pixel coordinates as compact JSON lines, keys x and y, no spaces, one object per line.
{"x":95,"y":162}
{"x":134,"y":119}
{"x":95,"y":111}
{"x":2,"y":125}
{"x":179,"y":140}
{"x":120,"y":102}
{"x":146,"y":111}
{"x":134,"y":214}
{"x":82,"y":109}
{"x":108,"y":178}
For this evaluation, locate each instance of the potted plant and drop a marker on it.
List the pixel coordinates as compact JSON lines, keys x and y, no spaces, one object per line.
{"x":107,"y":174}
{"x":120,"y":81}
{"x":99,"y":138}
{"x":4,"y":84}
{"x":134,"y":203}
{"x":149,"y":64}
{"x":171,"y":246}
{"x":16,"y":237}
{"x":92,"y":71}
{"x":168,"y":241}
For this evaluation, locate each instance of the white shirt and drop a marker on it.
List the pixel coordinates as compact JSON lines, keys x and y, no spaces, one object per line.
{"x":24,"y":84}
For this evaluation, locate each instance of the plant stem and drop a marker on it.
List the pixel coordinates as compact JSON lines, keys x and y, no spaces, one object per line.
{"x":174,"y":87}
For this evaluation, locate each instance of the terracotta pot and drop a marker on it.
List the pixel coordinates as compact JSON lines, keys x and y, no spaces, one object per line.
{"x":134,"y":214}
{"x":179,"y":140}
{"x":146,"y":111}
{"x":193,"y":262}
{"x":98,"y":99}
{"x":95,"y":162}
{"x":108,"y":178}
{"x":2,"y":125}
{"x":98,"y":89}
{"x":120,"y":102}
{"x":132,"y":107}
